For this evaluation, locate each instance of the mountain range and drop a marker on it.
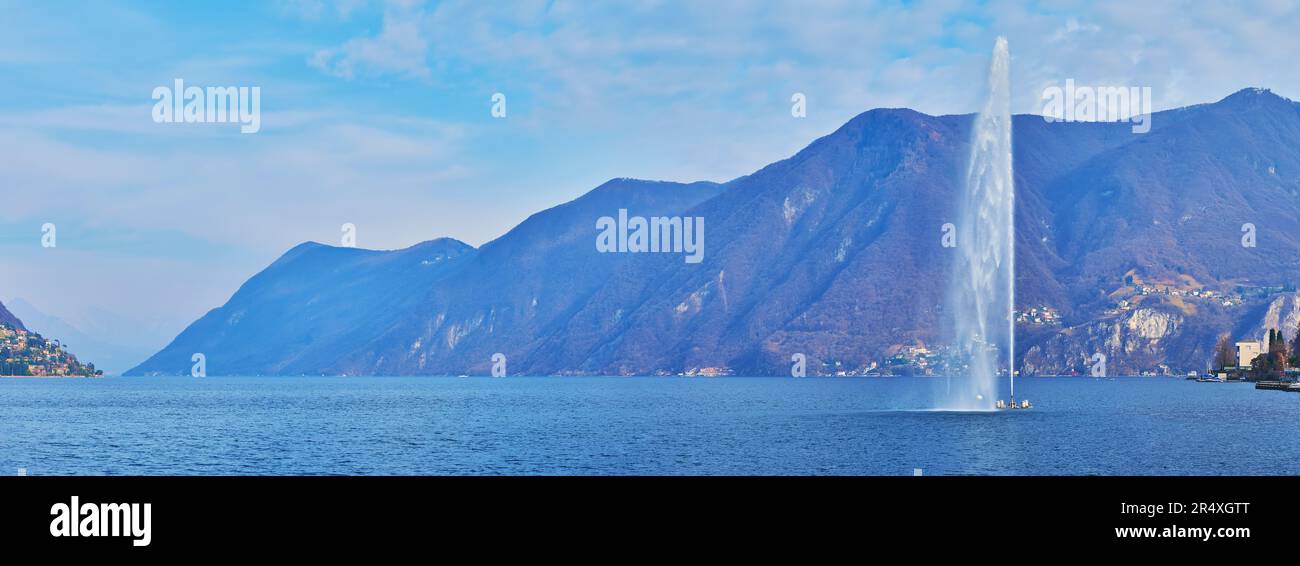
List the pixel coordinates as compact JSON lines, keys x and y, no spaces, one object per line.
{"x":1134,"y":242}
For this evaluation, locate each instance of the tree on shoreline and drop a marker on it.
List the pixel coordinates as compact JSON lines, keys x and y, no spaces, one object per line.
{"x":1225,"y":354}
{"x":1295,"y":348}
{"x":1273,"y":363}
{"x":1277,"y":347}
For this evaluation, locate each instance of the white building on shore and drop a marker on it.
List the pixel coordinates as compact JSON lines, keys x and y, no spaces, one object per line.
{"x":1247,"y":352}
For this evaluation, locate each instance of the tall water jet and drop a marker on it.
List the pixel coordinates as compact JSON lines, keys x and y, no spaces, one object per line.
{"x":982,"y":292}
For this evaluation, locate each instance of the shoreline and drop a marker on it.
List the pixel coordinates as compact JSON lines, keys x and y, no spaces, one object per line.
{"x":817,"y":377}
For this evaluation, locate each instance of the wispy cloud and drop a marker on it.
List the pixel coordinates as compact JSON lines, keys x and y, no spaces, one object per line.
{"x":401,"y":47}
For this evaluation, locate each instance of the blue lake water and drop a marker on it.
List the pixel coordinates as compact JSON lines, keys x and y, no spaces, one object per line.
{"x":559,"y":425}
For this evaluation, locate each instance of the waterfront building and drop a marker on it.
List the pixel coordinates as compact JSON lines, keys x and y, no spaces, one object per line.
{"x":1247,"y":352}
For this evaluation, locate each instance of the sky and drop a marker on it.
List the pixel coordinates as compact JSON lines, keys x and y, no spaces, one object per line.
{"x":379,"y":114}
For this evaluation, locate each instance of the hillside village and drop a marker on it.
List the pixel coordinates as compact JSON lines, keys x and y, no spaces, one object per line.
{"x":27,"y":354}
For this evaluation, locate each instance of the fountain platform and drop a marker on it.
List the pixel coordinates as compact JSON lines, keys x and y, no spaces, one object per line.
{"x":1003,"y":405}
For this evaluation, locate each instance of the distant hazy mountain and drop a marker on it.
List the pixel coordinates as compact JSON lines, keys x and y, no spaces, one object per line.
{"x":101,"y":346}
{"x":321,"y":309}
{"x":7,"y":317}
{"x":834,"y":253}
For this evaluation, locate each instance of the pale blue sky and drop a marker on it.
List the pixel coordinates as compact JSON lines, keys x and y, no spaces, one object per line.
{"x":377,"y":113}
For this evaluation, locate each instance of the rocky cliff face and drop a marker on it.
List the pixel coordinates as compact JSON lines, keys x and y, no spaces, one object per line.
{"x":1130,"y":344}
{"x":1281,"y":312}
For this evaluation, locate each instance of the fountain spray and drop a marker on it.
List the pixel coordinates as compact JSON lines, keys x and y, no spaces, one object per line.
{"x":982,"y":292}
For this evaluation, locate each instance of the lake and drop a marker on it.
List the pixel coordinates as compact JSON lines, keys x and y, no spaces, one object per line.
{"x":642,"y":425}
